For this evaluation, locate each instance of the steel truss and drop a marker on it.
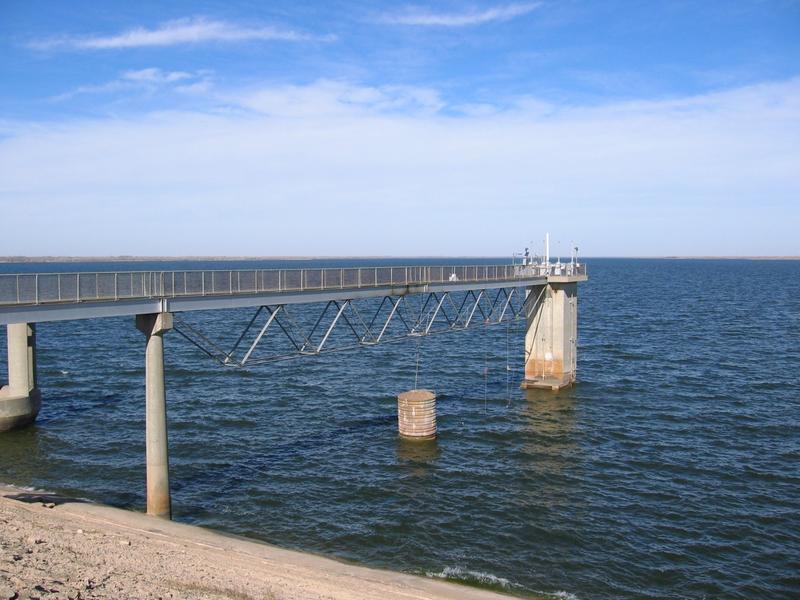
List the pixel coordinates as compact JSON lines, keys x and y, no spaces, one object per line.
{"x":435,"y":312}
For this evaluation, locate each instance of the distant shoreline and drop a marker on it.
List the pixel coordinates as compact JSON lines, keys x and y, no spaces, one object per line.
{"x":715,"y":257}
{"x":84,"y":259}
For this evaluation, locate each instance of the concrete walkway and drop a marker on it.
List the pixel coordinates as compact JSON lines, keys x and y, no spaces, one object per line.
{"x":56,"y":547}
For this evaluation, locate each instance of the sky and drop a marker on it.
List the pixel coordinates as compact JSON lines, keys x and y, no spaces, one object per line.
{"x":629,"y":128}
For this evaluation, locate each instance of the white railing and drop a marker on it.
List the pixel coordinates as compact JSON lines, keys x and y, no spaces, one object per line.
{"x":46,"y":288}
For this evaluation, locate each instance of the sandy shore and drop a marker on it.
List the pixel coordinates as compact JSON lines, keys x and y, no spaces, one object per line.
{"x":55,"y":547}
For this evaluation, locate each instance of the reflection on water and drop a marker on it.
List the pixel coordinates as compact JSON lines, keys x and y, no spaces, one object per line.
{"x":550,"y":443}
{"x":418,"y":452}
{"x":551,"y":413}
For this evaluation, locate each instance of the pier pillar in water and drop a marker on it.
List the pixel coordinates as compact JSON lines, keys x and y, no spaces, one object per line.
{"x":20,"y":399}
{"x":416,"y":415}
{"x":154,"y":326}
{"x":551,"y":336}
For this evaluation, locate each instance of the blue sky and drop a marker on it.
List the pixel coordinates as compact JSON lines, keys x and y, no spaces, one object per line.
{"x":446,"y":128}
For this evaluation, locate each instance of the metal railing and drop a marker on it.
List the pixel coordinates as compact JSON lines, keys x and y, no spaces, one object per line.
{"x":47,"y":288}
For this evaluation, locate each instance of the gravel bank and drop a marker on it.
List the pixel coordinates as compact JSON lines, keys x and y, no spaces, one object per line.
{"x":54,"y":547}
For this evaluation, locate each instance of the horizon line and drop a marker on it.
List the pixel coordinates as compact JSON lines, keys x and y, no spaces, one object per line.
{"x":222,"y":258}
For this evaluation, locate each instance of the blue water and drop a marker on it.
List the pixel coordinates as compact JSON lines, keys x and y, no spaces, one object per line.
{"x":672,"y":470}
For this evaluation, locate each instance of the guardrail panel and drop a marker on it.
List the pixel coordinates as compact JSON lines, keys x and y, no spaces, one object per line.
{"x":245,"y":282}
{"x":313,"y":279}
{"x":8,"y":289}
{"x":291,"y":279}
{"x":398,"y":276}
{"x":368,"y":277}
{"x":350,"y":278}
{"x":87,"y":286}
{"x":26,"y":289}
{"x":48,"y":288}
{"x":383,"y":276}
{"x":106,"y":286}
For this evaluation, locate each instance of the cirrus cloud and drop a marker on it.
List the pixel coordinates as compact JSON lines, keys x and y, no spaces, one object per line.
{"x":425,"y":18}
{"x":150,"y":79}
{"x":181,"y":31}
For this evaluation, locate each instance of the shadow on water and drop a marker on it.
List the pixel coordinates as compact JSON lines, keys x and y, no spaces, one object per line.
{"x":44,"y":498}
{"x":22,"y":453}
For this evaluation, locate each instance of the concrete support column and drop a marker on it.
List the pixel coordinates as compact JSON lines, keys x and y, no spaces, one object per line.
{"x":20,"y":399}
{"x":551,"y":336}
{"x":158,"y":498}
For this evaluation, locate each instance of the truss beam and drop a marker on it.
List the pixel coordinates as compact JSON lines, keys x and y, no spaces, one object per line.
{"x":439,"y":312}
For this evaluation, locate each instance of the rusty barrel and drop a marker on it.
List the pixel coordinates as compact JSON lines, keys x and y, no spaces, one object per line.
{"x":416,"y":414}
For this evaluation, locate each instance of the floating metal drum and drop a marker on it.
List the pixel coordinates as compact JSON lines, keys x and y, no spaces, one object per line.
{"x":416,"y":414}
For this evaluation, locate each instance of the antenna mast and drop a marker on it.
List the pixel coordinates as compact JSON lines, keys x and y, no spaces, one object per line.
{"x":547,"y":248}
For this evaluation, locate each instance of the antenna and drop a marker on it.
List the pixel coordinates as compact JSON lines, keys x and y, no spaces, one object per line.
{"x":547,"y":248}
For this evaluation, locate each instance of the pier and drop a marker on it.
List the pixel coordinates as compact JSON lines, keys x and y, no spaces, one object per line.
{"x":364,"y":301}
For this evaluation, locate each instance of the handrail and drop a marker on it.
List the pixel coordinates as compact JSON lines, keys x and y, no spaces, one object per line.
{"x":50,"y":288}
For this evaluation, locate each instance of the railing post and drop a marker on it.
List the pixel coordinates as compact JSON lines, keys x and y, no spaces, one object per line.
{"x":78,"y":288}
{"x":36,"y":289}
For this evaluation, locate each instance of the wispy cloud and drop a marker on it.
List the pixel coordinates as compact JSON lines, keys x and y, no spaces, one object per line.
{"x":154,"y":75}
{"x":719,"y":170}
{"x":425,"y":18}
{"x":182,"y":31}
{"x":148,"y":80}
{"x":332,"y":98}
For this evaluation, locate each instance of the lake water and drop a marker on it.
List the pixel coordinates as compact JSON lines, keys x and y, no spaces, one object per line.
{"x":671,"y":470}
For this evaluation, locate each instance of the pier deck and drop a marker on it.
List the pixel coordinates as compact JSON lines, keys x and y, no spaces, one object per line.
{"x":40,"y":297}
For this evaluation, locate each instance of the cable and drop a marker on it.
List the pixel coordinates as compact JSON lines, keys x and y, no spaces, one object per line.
{"x":416,"y":372}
